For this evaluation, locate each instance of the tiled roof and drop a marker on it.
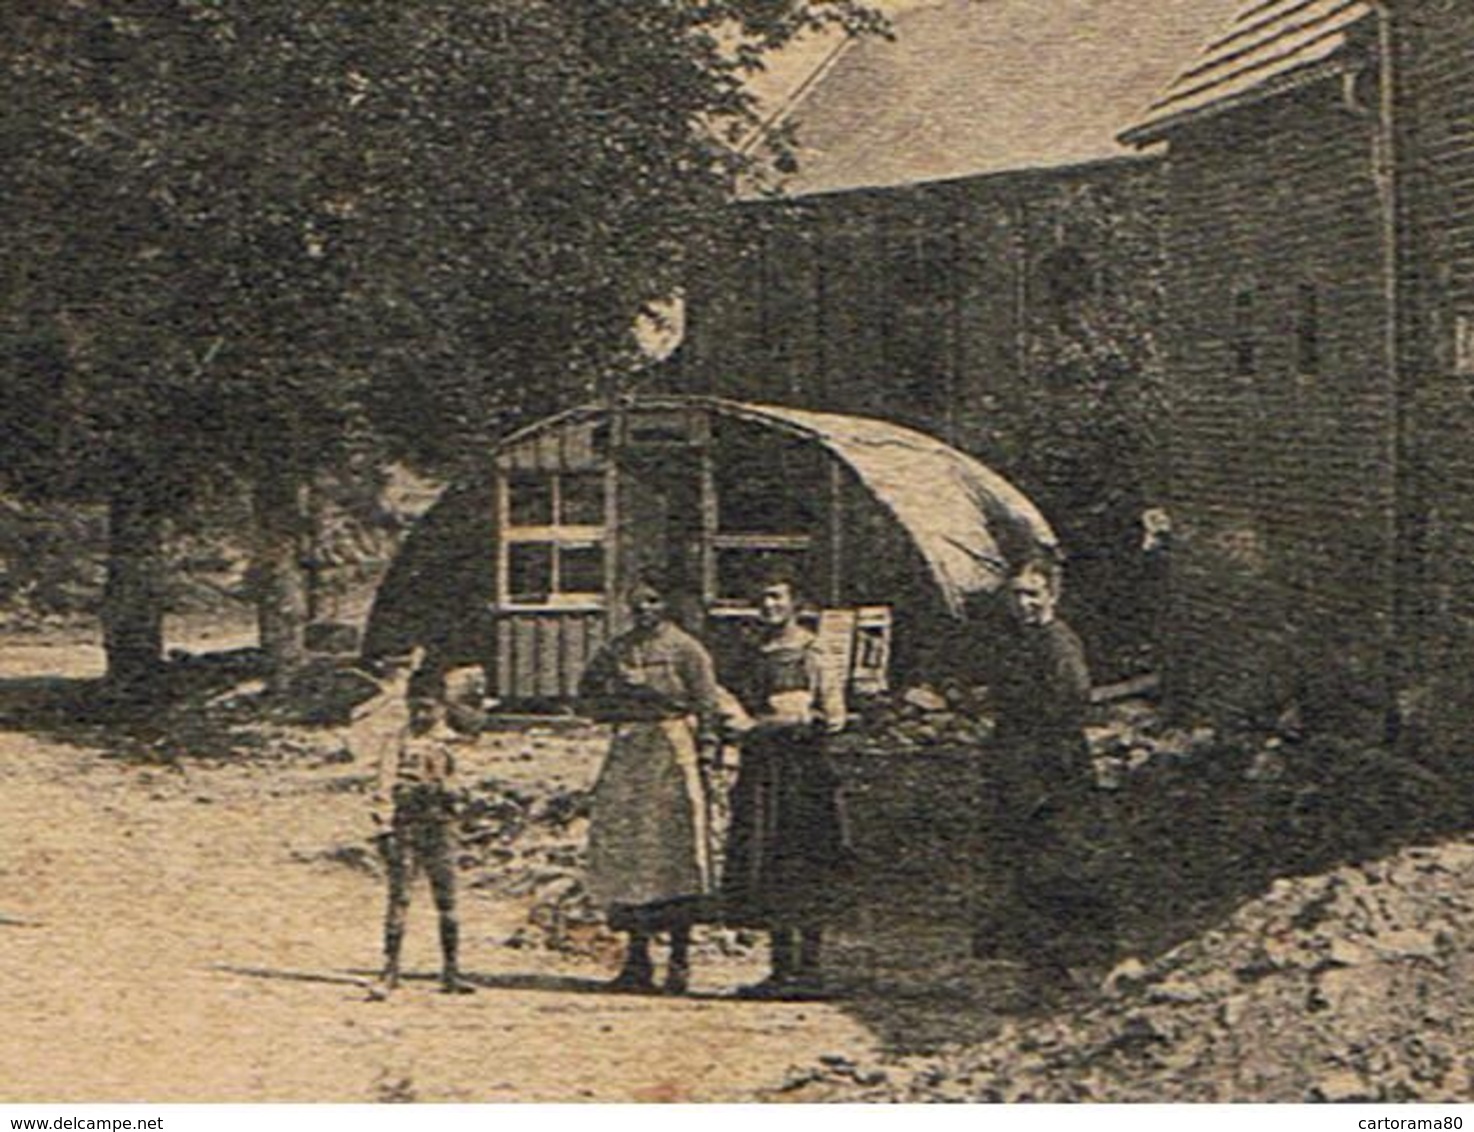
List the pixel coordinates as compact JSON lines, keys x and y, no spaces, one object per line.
{"x":972,"y":87}
{"x":1270,"y":46}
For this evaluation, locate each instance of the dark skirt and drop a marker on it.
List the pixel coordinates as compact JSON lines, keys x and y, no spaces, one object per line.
{"x":1047,"y":852}
{"x":662,"y":916}
{"x":788,"y":848}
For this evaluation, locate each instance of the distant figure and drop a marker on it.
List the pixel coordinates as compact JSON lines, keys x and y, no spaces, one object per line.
{"x":414,"y":813}
{"x":649,"y":855}
{"x":788,"y":842}
{"x":1038,"y":785}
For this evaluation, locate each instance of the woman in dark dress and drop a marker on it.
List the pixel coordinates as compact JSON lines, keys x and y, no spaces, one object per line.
{"x":788,"y":842}
{"x":1043,"y":845}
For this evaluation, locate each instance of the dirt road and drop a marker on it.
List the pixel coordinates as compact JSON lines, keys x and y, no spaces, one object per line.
{"x":181,"y":934}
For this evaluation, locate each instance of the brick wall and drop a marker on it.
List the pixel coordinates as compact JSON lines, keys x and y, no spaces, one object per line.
{"x":1281,"y":411}
{"x":1436,"y":112}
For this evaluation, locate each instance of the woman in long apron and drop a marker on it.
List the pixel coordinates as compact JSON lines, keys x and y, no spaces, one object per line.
{"x":649,"y":854}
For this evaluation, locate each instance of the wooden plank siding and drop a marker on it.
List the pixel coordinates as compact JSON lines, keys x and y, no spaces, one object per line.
{"x":1281,"y":480}
{"x":931,"y":305}
{"x":540,"y":656}
{"x":813,"y":308}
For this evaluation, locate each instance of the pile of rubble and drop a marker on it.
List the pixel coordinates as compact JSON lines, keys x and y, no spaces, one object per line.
{"x":1127,"y":735}
{"x":1354,"y":985}
{"x":1323,"y":959}
{"x":918,"y":719}
{"x":526,"y":845}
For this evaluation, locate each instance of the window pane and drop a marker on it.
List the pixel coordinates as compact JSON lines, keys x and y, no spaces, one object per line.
{"x":1245,"y":347}
{"x":742,"y":572}
{"x":530,"y":501}
{"x":1307,"y":329}
{"x":768,"y":487}
{"x":530,"y":571}
{"x":581,"y":569}
{"x":582,"y":500}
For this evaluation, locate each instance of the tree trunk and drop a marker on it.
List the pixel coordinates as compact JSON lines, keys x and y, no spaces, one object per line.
{"x":281,"y":581}
{"x":133,"y":595}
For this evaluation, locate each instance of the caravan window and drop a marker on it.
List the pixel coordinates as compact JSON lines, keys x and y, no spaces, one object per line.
{"x":581,"y":499}
{"x":530,"y":572}
{"x":767,"y":486}
{"x":744,"y":564}
{"x":552,"y":540}
{"x":530,"y":501}
{"x":770,"y":493}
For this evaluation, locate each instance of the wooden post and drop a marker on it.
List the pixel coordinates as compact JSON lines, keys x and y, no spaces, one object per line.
{"x":836,"y":532}
{"x":709,"y":518}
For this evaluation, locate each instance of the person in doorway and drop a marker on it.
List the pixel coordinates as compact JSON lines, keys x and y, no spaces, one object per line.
{"x":788,"y":843}
{"x":649,"y":859}
{"x":415,"y":812}
{"x":1038,"y":789}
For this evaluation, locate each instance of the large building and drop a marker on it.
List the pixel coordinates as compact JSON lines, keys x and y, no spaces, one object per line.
{"x":1320,"y":342}
{"x":968,"y":249}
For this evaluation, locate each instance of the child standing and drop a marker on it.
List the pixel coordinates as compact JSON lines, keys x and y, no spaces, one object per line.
{"x":414,"y":811}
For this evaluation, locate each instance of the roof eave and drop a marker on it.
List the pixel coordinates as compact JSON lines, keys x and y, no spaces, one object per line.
{"x":1085,"y":167}
{"x":1160,"y":129}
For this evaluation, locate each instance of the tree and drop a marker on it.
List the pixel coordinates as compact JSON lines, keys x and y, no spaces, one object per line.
{"x":249,"y":238}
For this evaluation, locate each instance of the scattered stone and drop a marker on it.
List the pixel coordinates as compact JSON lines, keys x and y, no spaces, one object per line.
{"x":1268,"y":766}
{"x":1408,"y":944}
{"x":1341,"y":1086}
{"x":1128,"y":975}
{"x":924,"y":698}
{"x":1337,"y":987}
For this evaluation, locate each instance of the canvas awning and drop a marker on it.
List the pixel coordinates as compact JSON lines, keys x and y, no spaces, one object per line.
{"x":968,"y":524}
{"x":967,"y":521}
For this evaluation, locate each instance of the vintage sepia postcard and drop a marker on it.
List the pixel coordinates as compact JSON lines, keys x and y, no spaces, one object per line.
{"x":745,"y":551}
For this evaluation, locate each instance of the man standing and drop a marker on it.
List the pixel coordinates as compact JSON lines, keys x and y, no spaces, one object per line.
{"x":414,"y":811}
{"x":788,"y":841}
{"x":649,"y":856}
{"x":1038,"y":787}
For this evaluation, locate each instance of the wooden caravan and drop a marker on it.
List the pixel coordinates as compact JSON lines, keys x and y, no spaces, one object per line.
{"x":889,"y":534}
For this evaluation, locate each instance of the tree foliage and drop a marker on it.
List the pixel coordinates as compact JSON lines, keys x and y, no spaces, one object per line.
{"x":247,"y":241}
{"x":242,"y":224}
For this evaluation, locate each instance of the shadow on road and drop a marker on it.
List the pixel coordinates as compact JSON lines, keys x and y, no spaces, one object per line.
{"x":349,"y":979}
{"x":537,"y":983}
{"x":45,"y":702}
{"x":200,"y":707}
